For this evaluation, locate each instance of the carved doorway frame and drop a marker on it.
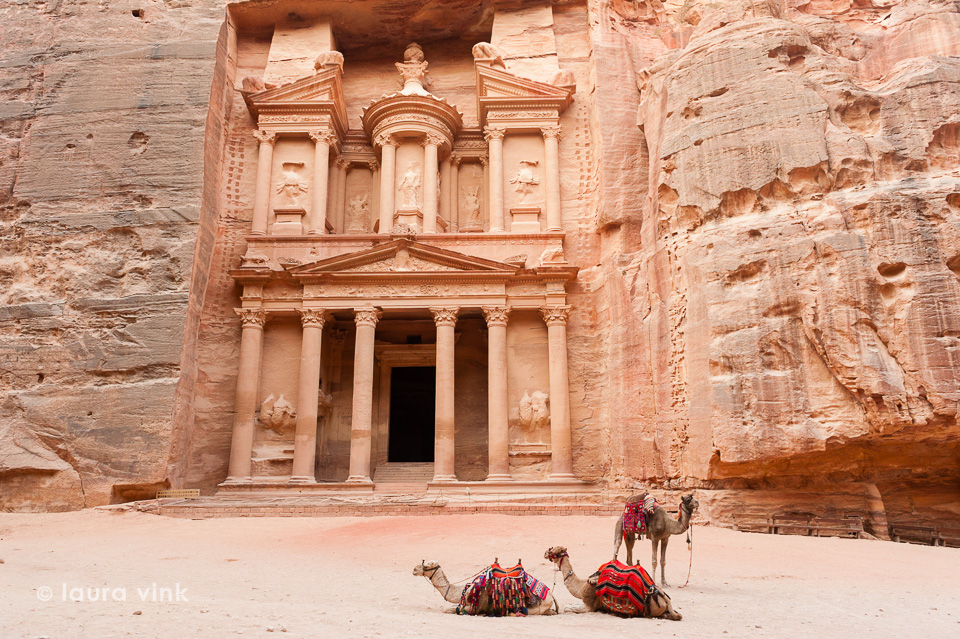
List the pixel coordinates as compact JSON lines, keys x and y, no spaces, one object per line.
{"x":388,"y":357}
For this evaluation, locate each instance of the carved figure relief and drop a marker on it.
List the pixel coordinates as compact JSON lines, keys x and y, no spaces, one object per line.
{"x":525,"y":180}
{"x":552,"y":255}
{"x":358,"y":213}
{"x":486,"y":52}
{"x":277,"y":414}
{"x":410,"y":188}
{"x":534,"y":416}
{"x":292,"y":186}
{"x":470,"y":205}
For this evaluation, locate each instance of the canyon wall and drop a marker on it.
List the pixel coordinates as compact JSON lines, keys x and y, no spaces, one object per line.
{"x":766,"y":216}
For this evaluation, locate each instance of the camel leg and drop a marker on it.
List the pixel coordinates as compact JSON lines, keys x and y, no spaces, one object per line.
{"x":653,"y":559}
{"x":630,"y":539}
{"x":663,"y":561}
{"x":617,"y":538}
{"x":662,"y":606}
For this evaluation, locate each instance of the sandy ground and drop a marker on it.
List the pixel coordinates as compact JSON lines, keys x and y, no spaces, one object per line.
{"x":351,"y":577}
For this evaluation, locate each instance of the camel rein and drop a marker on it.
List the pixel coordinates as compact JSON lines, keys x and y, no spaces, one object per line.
{"x":689,"y":544}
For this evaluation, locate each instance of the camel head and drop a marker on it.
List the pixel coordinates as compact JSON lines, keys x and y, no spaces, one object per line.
{"x":555,"y":554}
{"x":425,"y":569}
{"x":690,"y":503}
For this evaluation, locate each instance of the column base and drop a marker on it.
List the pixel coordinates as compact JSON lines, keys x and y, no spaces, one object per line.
{"x":499,"y":477}
{"x":358,"y":479}
{"x":238,"y":480}
{"x":302,"y":479}
{"x":562,"y":477}
{"x":443,"y":478}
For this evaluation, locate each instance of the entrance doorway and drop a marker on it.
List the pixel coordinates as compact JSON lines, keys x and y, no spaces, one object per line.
{"x":413,"y":392}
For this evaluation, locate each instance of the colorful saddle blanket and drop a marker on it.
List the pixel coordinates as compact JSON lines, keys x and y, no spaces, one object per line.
{"x":510,"y":591}
{"x":635,"y":514}
{"x":624,"y":589}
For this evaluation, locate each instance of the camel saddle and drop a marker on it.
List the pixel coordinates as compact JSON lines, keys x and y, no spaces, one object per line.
{"x":510,"y":591}
{"x":624,"y":590}
{"x":635,"y":513}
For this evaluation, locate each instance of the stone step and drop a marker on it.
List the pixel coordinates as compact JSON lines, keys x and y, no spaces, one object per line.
{"x":405,"y":473}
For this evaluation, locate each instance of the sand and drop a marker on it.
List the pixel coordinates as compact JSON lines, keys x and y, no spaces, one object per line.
{"x":351,"y":577}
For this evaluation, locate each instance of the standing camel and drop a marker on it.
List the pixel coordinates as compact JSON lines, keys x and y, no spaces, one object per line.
{"x":434,"y":574}
{"x":659,"y":528}
{"x":658,"y":605}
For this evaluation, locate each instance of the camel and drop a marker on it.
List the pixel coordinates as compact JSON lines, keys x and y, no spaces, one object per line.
{"x":659,"y":528}
{"x":434,"y":574}
{"x":660,"y":604}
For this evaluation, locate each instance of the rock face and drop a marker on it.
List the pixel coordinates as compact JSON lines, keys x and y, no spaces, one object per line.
{"x":764,"y":205}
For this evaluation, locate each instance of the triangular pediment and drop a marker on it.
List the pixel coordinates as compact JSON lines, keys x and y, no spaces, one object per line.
{"x":320,"y":92}
{"x":498,"y":83}
{"x":402,"y":256}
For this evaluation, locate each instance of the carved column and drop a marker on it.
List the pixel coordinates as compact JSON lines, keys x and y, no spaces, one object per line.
{"x":551,"y":147}
{"x":343,"y":166}
{"x":305,"y":440}
{"x":498,"y":435}
{"x":560,"y":436}
{"x":322,"y":141}
{"x":361,"y":428}
{"x":261,"y":199}
{"x":388,"y":179}
{"x":245,"y":404}
{"x":430,"y":196}
{"x":453,"y":192}
{"x":494,"y":137}
{"x":375,"y":190}
{"x":444,"y":208}
{"x":444,"y":452}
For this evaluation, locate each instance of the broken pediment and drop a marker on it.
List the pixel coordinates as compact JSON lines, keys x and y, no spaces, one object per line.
{"x":403,"y":256}
{"x":317,"y":97}
{"x":499,"y":90}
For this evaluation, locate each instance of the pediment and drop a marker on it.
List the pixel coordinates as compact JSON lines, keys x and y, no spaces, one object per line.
{"x":322,"y":90}
{"x":498,"y":83}
{"x":402,"y":256}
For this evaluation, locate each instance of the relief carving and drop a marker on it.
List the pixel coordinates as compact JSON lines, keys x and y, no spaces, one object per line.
{"x":486,"y":52}
{"x":291,"y":186}
{"x":410,"y":188}
{"x":525,"y":180}
{"x":277,"y":414}
{"x":358,"y":213}
{"x":534,"y":416}
{"x":328,"y":59}
{"x":470,"y":205}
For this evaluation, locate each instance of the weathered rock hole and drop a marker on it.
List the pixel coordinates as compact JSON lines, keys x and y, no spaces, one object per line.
{"x":39,"y":378}
{"x":137,"y":13}
{"x":748,"y":272}
{"x":71,"y":145}
{"x":754,"y":233}
{"x":691,"y":111}
{"x":89,"y":136}
{"x":888,"y":291}
{"x":718,"y":92}
{"x":741,"y":202}
{"x":953,"y":201}
{"x":944,"y":149}
{"x":954,"y":265}
{"x":698,"y":143}
{"x":891,"y":271}
{"x":138,"y":142}
{"x":860,"y":112}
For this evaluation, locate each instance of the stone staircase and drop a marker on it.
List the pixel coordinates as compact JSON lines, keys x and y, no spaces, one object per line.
{"x":403,"y":478}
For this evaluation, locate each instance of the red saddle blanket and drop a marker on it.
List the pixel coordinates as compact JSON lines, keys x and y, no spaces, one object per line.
{"x":624,"y":589}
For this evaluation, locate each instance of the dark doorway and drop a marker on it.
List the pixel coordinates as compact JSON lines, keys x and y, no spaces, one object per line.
{"x":413,"y":392}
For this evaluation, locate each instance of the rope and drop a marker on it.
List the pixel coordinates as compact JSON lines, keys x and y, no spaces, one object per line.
{"x":690,"y":548}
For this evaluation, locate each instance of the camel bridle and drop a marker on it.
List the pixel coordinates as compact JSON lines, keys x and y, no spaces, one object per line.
{"x":423,"y":567}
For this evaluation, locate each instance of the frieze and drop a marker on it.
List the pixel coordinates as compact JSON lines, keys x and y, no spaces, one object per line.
{"x":521,"y":115}
{"x":272,"y":119}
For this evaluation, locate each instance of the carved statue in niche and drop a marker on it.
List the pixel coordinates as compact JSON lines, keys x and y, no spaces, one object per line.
{"x":486,"y":52}
{"x":358,"y":212}
{"x":470,"y":205}
{"x":413,"y":70}
{"x":534,"y":416}
{"x":328,"y":59}
{"x":410,"y":188}
{"x":292,"y":186}
{"x":277,"y":414}
{"x":525,"y":179}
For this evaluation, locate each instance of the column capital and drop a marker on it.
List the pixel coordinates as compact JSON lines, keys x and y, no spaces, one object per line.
{"x":373,"y":165}
{"x":343,"y":164}
{"x":484,"y":161}
{"x":445,"y":315}
{"x":552,"y":131}
{"x":455,"y":159}
{"x":327,"y":137}
{"x":251,"y":317}
{"x":555,"y":315}
{"x":491,"y":133}
{"x":433,"y":139}
{"x":315,"y":317}
{"x":386,"y":139}
{"x":268,"y":137}
{"x":366,"y":316}
{"x":496,"y":315}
